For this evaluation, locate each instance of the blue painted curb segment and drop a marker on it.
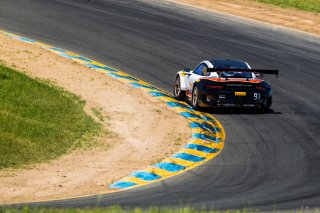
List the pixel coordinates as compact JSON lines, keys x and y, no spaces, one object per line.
{"x":175,"y":104}
{"x":171,"y":167}
{"x":201,"y":148}
{"x":205,"y":126}
{"x":190,"y":115}
{"x":121,"y":185}
{"x":206,"y":137}
{"x":147,"y":176}
{"x":188,"y":157}
{"x":158,"y":94}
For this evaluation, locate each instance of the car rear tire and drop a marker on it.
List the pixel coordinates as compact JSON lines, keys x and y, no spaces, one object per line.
{"x":177,"y":92}
{"x":195,"y":98}
{"x":267,"y":108}
{"x":269,"y":103}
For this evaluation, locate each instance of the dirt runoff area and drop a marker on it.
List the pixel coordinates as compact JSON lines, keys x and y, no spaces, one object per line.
{"x":144,"y":130}
{"x":287,"y":17}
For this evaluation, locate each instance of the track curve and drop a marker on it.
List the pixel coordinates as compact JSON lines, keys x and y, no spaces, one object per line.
{"x":269,"y":160}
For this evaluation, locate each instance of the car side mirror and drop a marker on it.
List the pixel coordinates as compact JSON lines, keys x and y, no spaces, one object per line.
{"x":186,"y":69}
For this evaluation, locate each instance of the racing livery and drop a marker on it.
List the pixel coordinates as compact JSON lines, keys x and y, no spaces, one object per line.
{"x":224,"y":83}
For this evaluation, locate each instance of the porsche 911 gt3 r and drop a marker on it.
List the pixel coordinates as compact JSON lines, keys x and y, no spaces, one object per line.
{"x":224,"y":83}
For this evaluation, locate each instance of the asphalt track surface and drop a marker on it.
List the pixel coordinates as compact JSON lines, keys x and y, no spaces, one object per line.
{"x":270,"y":161}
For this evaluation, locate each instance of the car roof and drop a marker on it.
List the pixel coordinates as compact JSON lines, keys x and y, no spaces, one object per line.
{"x":228,"y":62}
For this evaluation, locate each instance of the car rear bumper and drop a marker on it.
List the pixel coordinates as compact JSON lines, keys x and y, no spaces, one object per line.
{"x":236,"y":102}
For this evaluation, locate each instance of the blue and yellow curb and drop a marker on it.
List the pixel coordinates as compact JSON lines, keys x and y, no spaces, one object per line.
{"x":206,"y":142}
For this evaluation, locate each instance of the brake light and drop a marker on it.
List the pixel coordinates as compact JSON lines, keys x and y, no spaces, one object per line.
{"x":261,"y":88}
{"x":214,"y":87}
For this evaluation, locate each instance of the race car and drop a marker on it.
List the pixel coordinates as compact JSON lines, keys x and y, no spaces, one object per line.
{"x":222,"y":83}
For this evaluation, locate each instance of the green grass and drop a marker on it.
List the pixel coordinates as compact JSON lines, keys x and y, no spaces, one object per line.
{"x":118,"y":209}
{"x":306,"y":5}
{"x":38,"y":121}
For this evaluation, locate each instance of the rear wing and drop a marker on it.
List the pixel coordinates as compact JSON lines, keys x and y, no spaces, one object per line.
{"x":268,"y":72}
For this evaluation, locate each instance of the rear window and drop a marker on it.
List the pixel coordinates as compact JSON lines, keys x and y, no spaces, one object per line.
{"x":230,"y":74}
{"x":229,"y":64}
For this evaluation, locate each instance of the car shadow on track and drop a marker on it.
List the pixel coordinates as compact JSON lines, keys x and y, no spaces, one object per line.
{"x":240,"y":111}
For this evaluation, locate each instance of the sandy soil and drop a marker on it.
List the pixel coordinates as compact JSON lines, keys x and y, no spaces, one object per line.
{"x":292,"y":18}
{"x":133,"y":116}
